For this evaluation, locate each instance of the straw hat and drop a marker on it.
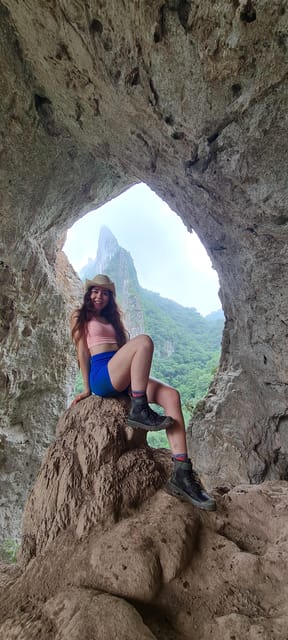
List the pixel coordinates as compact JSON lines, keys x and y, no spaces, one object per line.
{"x":101,"y":281}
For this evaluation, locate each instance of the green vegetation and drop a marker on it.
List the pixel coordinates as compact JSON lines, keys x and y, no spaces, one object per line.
{"x":158,"y":440}
{"x":187,"y":346}
{"x":9,"y":550}
{"x":79,"y":387}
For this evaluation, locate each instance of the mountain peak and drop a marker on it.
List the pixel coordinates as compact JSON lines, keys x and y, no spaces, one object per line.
{"x":107,"y":247}
{"x":106,"y":235}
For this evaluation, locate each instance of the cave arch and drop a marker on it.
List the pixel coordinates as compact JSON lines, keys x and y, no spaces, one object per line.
{"x":193,"y":101}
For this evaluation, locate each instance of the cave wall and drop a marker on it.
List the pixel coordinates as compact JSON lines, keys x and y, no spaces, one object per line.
{"x":190,"y":98}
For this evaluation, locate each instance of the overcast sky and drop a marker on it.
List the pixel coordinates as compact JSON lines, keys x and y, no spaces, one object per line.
{"x":168,"y":259}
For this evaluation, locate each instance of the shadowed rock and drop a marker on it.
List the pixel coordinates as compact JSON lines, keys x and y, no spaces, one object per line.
{"x":107,"y":553}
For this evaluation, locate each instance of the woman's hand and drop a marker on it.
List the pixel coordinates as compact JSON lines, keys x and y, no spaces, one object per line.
{"x":81,"y":396}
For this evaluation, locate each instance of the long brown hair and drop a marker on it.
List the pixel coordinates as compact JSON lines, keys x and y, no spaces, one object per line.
{"x":111,"y":312}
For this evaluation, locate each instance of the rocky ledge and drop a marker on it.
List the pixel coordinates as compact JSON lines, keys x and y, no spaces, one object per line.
{"x":107,"y":553}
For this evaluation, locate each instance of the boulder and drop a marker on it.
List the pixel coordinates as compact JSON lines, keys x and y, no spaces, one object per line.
{"x":107,"y":553}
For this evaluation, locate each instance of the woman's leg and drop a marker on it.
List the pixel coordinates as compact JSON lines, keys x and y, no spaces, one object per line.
{"x":132,"y":364}
{"x":184,"y":482}
{"x":169,"y":399}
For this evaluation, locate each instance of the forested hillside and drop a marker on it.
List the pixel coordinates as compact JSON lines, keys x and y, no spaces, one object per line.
{"x":187,"y":345}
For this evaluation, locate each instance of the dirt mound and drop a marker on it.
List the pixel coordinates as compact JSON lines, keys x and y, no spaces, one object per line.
{"x":112,"y":555}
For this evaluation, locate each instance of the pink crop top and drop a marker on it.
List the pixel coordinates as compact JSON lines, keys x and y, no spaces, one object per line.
{"x":100,"y":333}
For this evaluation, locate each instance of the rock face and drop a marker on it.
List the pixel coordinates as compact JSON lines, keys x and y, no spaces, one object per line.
{"x":190,"y":98}
{"x":91,"y":476}
{"x":38,"y":367}
{"x":108,"y":553}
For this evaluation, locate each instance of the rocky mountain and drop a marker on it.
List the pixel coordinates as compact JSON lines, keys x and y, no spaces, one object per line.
{"x":187,"y":345}
{"x":118,"y":264}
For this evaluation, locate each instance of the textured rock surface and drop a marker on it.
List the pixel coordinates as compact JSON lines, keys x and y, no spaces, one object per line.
{"x":192,"y":99}
{"x":154,"y":568}
{"x":90,"y":477}
{"x":38,"y":366}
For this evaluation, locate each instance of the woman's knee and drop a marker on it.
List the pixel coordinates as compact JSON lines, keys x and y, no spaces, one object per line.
{"x":145,"y":341}
{"x":173,"y":396}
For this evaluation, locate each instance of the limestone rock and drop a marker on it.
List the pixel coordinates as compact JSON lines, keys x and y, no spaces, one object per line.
{"x":89,"y":615}
{"x":38,"y":368}
{"x":145,"y":565}
{"x":190,"y":98}
{"x":91,"y":475}
{"x":8,"y":574}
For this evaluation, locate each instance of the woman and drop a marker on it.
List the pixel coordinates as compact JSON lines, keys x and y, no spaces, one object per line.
{"x":112,"y":364}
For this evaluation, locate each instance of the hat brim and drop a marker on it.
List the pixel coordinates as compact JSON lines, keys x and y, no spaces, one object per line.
{"x":93,"y":283}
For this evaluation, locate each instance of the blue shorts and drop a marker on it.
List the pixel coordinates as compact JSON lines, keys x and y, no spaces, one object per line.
{"x":99,"y":378}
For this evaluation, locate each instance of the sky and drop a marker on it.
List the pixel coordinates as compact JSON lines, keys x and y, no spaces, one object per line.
{"x":168,"y":259}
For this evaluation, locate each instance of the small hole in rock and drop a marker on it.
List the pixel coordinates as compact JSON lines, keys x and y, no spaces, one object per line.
{"x":134,"y":77}
{"x":157,"y":36}
{"x":178,"y":135}
{"x":96,"y":26}
{"x":213,"y":137}
{"x":169,"y":120}
{"x":248,"y":13}
{"x":236,"y":90}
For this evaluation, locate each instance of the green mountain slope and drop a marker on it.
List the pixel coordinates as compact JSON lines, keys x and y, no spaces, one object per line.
{"x":187,"y":346}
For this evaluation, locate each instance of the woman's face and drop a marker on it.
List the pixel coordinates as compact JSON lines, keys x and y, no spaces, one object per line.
{"x":99,"y":297}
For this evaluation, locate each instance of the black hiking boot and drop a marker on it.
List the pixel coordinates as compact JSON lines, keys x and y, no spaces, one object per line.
{"x":141,"y":416}
{"x":184,"y":483}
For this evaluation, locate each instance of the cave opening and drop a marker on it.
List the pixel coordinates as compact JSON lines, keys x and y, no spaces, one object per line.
{"x":165,"y":284}
{"x":168,"y":258}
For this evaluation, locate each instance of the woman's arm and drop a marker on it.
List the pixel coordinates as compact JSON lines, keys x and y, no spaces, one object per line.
{"x":84,"y":362}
